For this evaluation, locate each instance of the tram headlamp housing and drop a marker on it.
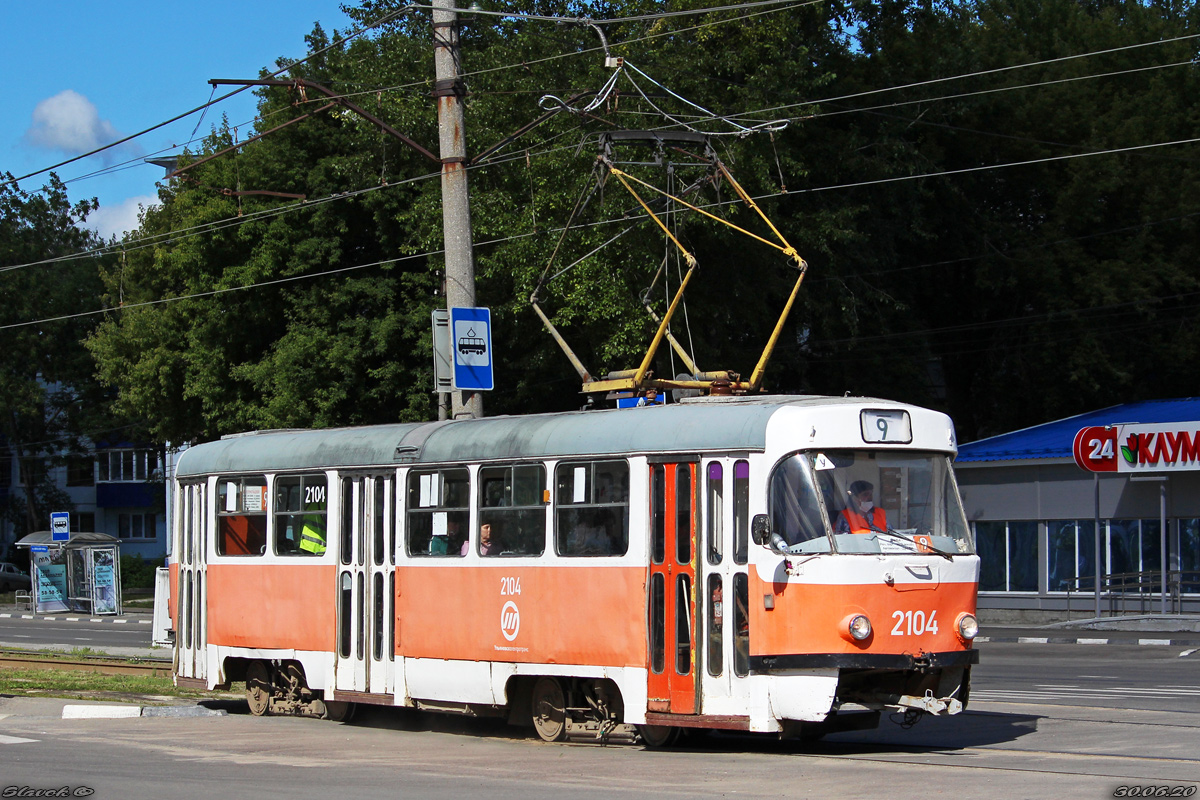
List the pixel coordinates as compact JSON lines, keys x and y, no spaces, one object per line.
{"x":967,"y":626}
{"x":856,"y":628}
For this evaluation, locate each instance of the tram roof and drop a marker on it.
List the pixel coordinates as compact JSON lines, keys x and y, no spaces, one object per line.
{"x":700,"y":425}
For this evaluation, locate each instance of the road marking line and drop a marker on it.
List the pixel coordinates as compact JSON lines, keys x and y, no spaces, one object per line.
{"x":1186,"y":653}
{"x":14,"y":740}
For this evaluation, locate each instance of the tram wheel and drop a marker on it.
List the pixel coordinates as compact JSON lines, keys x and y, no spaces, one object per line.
{"x":549,"y":710}
{"x":258,"y":688}
{"x":657,"y":736}
{"x":338,"y":711}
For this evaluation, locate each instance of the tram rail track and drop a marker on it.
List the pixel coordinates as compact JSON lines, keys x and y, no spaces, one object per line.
{"x":100,"y":664}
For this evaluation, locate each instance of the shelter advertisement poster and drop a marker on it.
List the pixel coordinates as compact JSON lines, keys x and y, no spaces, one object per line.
{"x":50,"y":576}
{"x":104,"y":588}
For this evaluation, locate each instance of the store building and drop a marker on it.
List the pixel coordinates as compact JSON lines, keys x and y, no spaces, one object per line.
{"x":1034,"y":512}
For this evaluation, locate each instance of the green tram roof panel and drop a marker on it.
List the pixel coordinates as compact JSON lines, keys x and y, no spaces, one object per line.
{"x":694,"y":426}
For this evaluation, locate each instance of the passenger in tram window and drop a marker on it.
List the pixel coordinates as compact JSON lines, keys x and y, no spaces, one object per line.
{"x":443,"y":543}
{"x":438,"y":545}
{"x":861,"y":514}
{"x":589,"y":537}
{"x":312,"y":534}
{"x":486,"y":546}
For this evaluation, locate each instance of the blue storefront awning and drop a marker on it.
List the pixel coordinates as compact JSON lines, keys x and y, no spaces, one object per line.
{"x":1054,"y":439}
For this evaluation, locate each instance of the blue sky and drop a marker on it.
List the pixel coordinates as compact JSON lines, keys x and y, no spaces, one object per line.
{"x":81,"y":74}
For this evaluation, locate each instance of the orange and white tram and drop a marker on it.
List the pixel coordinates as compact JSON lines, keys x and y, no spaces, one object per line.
{"x":703,"y":564}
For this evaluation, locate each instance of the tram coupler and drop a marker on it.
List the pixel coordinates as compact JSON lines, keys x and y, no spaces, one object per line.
{"x":943,"y":706}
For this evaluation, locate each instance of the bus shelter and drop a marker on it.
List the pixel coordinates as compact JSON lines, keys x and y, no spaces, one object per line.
{"x":81,"y":574}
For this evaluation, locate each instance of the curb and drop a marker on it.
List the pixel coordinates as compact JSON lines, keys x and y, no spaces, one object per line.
{"x":129,"y":712}
{"x":113,"y":620}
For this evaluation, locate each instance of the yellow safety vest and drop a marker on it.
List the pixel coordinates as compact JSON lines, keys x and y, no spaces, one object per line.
{"x":312,"y":535}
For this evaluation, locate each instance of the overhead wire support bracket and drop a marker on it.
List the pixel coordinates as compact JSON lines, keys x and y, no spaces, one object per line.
{"x":301,"y":84}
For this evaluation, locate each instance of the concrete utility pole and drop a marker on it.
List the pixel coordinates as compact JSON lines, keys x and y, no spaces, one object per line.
{"x":456,"y":205}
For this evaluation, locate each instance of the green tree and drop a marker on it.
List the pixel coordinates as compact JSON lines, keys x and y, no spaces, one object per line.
{"x":49,"y":400}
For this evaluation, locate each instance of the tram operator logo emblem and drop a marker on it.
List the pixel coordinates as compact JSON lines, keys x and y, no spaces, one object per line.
{"x":510,"y":620}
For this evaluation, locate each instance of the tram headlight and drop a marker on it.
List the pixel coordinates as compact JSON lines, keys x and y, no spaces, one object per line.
{"x":856,"y":628}
{"x":968,"y":626}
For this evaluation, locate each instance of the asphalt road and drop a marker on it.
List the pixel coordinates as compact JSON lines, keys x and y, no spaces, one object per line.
{"x":996,"y":750}
{"x":119,"y":635}
{"x":1045,"y":721}
{"x":1125,"y":676}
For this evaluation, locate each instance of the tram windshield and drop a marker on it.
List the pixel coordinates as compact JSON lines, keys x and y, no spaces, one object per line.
{"x":868,"y":501}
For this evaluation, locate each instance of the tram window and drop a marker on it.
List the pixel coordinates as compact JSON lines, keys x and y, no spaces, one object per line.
{"x":741,"y":625}
{"x":658,"y":502}
{"x":301,"y":515}
{"x":186,"y":614}
{"x":347,"y":529}
{"x":592,"y":509}
{"x":715,"y":528}
{"x":512,"y":501}
{"x":378,"y":633}
{"x":741,"y":510}
{"x":391,"y":629}
{"x":362,"y":618}
{"x":242,"y":517}
{"x":377,"y":521}
{"x":345,"y":616}
{"x":658,"y":612}
{"x":683,"y":513}
{"x":716,"y":619}
{"x":683,"y":625}
{"x":438,"y":515}
{"x":187,"y":497}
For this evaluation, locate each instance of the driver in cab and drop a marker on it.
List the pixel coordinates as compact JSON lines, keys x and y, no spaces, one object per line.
{"x":861,"y":515}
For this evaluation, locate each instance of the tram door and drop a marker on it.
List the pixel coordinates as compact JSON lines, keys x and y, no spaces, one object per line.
{"x":672,"y":609}
{"x":191,"y":626}
{"x":365,"y":614}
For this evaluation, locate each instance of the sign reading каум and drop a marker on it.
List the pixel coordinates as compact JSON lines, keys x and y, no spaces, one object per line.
{"x":1167,"y":447}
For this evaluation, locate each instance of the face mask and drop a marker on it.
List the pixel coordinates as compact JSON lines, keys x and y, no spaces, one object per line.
{"x":865,"y":505}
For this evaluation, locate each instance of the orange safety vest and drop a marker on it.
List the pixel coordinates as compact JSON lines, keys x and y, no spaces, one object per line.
{"x":859,"y":524}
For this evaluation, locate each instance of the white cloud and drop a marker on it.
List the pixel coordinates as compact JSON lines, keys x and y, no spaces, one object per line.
{"x":68,"y":121}
{"x":115,"y":220}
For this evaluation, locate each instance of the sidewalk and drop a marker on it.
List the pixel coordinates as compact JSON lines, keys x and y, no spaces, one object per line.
{"x":1167,"y":630}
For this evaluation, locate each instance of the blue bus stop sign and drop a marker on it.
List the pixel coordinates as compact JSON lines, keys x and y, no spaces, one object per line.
{"x":60,"y":526}
{"x":471,"y":346}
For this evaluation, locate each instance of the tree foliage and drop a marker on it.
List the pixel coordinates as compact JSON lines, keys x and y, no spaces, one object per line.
{"x":957,"y":259}
{"x":48,"y":398}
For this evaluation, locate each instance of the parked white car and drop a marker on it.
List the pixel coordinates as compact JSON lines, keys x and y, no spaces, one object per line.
{"x":12,"y":578}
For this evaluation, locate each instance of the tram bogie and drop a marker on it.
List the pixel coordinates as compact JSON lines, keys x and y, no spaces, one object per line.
{"x":785,"y":565}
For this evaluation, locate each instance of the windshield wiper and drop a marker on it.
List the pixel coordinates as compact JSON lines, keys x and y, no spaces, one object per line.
{"x":910,"y":540}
